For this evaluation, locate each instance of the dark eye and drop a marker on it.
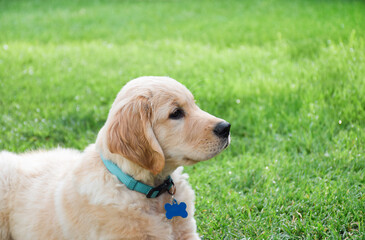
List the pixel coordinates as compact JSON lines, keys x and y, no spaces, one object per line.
{"x":177,"y":114}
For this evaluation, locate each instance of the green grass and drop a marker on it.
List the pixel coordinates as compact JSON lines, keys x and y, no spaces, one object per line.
{"x":288,"y":75}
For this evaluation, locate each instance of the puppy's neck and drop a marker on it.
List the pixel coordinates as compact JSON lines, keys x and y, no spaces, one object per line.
{"x":134,"y":170}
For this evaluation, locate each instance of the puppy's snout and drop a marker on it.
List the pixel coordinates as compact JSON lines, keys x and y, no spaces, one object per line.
{"x":222,"y":129}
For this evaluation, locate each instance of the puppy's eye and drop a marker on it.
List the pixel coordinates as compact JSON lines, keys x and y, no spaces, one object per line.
{"x":177,"y":114}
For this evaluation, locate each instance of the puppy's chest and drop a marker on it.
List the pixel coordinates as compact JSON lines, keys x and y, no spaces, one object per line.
{"x":152,"y":206}
{"x":144,"y":219}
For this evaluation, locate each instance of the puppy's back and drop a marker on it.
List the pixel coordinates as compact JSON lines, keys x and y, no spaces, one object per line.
{"x":27,"y":185}
{"x":8,"y":163}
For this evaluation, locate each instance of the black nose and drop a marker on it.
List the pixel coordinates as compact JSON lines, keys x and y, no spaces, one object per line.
{"x":222,"y":129}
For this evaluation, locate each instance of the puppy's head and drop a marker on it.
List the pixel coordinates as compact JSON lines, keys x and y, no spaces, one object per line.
{"x":154,"y":121}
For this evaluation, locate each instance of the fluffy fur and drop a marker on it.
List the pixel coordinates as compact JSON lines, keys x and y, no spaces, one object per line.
{"x":67,"y":194}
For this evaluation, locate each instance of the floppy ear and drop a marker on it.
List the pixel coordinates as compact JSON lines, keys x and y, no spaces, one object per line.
{"x":130,"y":134}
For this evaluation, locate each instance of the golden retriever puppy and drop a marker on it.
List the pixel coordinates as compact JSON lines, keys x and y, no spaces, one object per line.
{"x":153,"y":128}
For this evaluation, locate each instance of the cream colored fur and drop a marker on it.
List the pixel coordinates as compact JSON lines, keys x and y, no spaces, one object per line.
{"x":67,"y":194}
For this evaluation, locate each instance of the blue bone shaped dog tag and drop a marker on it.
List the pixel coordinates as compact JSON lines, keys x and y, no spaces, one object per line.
{"x":175,"y":209}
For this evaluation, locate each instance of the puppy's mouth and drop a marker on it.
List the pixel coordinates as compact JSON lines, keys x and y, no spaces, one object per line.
{"x":189,"y":161}
{"x":227,"y":142}
{"x":223,"y":145}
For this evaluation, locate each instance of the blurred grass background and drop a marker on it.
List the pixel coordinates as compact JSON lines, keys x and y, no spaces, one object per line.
{"x":288,"y":75}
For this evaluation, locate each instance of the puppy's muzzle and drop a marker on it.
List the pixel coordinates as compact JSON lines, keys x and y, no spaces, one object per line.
{"x":222,"y":129}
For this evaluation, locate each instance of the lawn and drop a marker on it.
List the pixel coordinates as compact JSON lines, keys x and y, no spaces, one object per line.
{"x":288,"y":75}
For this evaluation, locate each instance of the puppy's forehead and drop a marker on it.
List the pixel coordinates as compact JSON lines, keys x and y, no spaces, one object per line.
{"x":160,"y":89}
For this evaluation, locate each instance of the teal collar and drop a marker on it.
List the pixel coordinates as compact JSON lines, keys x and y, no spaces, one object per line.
{"x":133,"y":184}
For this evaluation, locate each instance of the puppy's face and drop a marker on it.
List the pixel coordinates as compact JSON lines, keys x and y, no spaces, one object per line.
{"x":155,"y":120}
{"x":185,"y":133}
